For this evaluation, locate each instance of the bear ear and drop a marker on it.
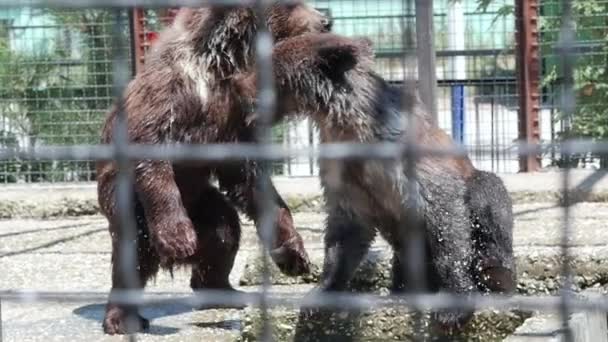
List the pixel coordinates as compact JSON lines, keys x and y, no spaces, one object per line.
{"x":343,"y":57}
{"x":337,"y":59}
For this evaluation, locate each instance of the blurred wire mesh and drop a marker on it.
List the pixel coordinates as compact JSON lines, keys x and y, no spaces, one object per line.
{"x":56,"y":84}
{"x":55,"y":78}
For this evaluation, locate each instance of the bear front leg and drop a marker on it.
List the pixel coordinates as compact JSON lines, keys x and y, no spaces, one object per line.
{"x":346,"y":244}
{"x":241,"y":185}
{"x":217,"y":224}
{"x":288,"y":251}
{"x":172,"y":232}
{"x":219,"y":229}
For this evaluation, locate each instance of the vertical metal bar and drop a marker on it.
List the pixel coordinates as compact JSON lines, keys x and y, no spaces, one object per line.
{"x":287,"y":143}
{"x":426,"y":55}
{"x":412,"y":237}
{"x":528,"y":80}
{"x":494,"y":153}
{"x":137,"y":17}
{"x":266,"y":99}
{"x":124,"y":182}
{"x":478,"y":154}
{"x":311,"y":141}
{"x":553,"y":135}
{"x":457,"y":66}
{"x":566,"y":43}
{"x":458,"y":112}
{"x":1,"y":333}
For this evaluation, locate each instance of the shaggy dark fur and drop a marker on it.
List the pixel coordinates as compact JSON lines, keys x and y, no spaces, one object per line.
{"x":492,"y":219}
{"x":185,"y":95}
{"x":331,"y":78}
{"x":491,"y":215}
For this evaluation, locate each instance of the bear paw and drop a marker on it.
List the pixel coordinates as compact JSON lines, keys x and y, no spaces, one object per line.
{"x":175,"y":240}
{"x":116,"y":322}
{"x":448,"y":321}
{"x":498,"y":280}
{"x":291,"y":257}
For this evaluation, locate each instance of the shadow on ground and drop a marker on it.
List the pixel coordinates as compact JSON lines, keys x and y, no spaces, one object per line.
{"x":95,"y":312}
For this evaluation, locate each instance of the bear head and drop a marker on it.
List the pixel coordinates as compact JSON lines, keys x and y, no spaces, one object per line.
{"x":311,"y":71}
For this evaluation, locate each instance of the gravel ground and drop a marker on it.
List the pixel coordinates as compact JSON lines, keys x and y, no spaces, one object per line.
{"x":73,"y":255}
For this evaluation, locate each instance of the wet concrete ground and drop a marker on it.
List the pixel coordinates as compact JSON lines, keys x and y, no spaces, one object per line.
{"x":73,"y":255}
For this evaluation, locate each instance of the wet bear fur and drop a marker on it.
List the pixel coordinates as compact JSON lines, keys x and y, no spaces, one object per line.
{"x":184,"y":94}
{"x":331,"y":79}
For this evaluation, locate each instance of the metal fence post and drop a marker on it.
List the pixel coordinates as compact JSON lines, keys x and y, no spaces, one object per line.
{"x":125,"y":176}
{"x":266,"y":108}
{"x":425,"y":47}
{"x":566,"y":46}
{"x":137,"y":19}
{"x":528,"y":80}
{"x":1,"y":319}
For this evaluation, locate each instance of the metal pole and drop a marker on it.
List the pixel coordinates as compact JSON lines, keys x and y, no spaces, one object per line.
{"x":457,"y":67}
{"x":0,"y":319}
{"x":125,"y":177}
{"x":266,"y":108}
{"x":567,"y":39}
{"x":412,"y":258}
{"x":427,"y":77}
{"x":137,"y":19}
{"x":528,"y":75}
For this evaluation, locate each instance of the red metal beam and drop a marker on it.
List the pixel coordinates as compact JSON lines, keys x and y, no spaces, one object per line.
{"x":528,"y":75}
{"x":142,"y":38}
{"x":167,"y":15}
{"x":139,"y":28}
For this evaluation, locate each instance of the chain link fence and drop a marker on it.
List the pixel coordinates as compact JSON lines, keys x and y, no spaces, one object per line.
{"x":56,"y":78}
{"x":42,"y":144}
{"x":591,"y":50}
{"x":55,"y":87}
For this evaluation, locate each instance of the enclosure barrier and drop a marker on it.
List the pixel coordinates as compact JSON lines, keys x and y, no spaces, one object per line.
{"x":123,"y":154}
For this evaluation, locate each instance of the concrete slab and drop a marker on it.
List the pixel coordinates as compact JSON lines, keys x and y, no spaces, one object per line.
{"x":538,"y":181}
{"x":60,"y":200}
{"x":81,"y":322}
{"x":72,"y":254}
{"x":547,"y":327}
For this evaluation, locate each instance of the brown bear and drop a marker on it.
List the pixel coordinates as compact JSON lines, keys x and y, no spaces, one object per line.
{"x":184,"y":95}
{"x":331,"y":78}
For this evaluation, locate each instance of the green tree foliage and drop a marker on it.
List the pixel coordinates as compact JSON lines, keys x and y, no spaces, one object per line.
{"x":57,"y":96}
{"x":25,"y":106}
{"x":590,"y":119}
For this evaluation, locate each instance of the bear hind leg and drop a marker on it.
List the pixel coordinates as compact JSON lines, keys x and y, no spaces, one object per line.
{"x":219,"y":231}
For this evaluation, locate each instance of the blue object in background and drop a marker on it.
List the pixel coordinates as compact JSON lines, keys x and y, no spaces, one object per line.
{"x":458,"y":113}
